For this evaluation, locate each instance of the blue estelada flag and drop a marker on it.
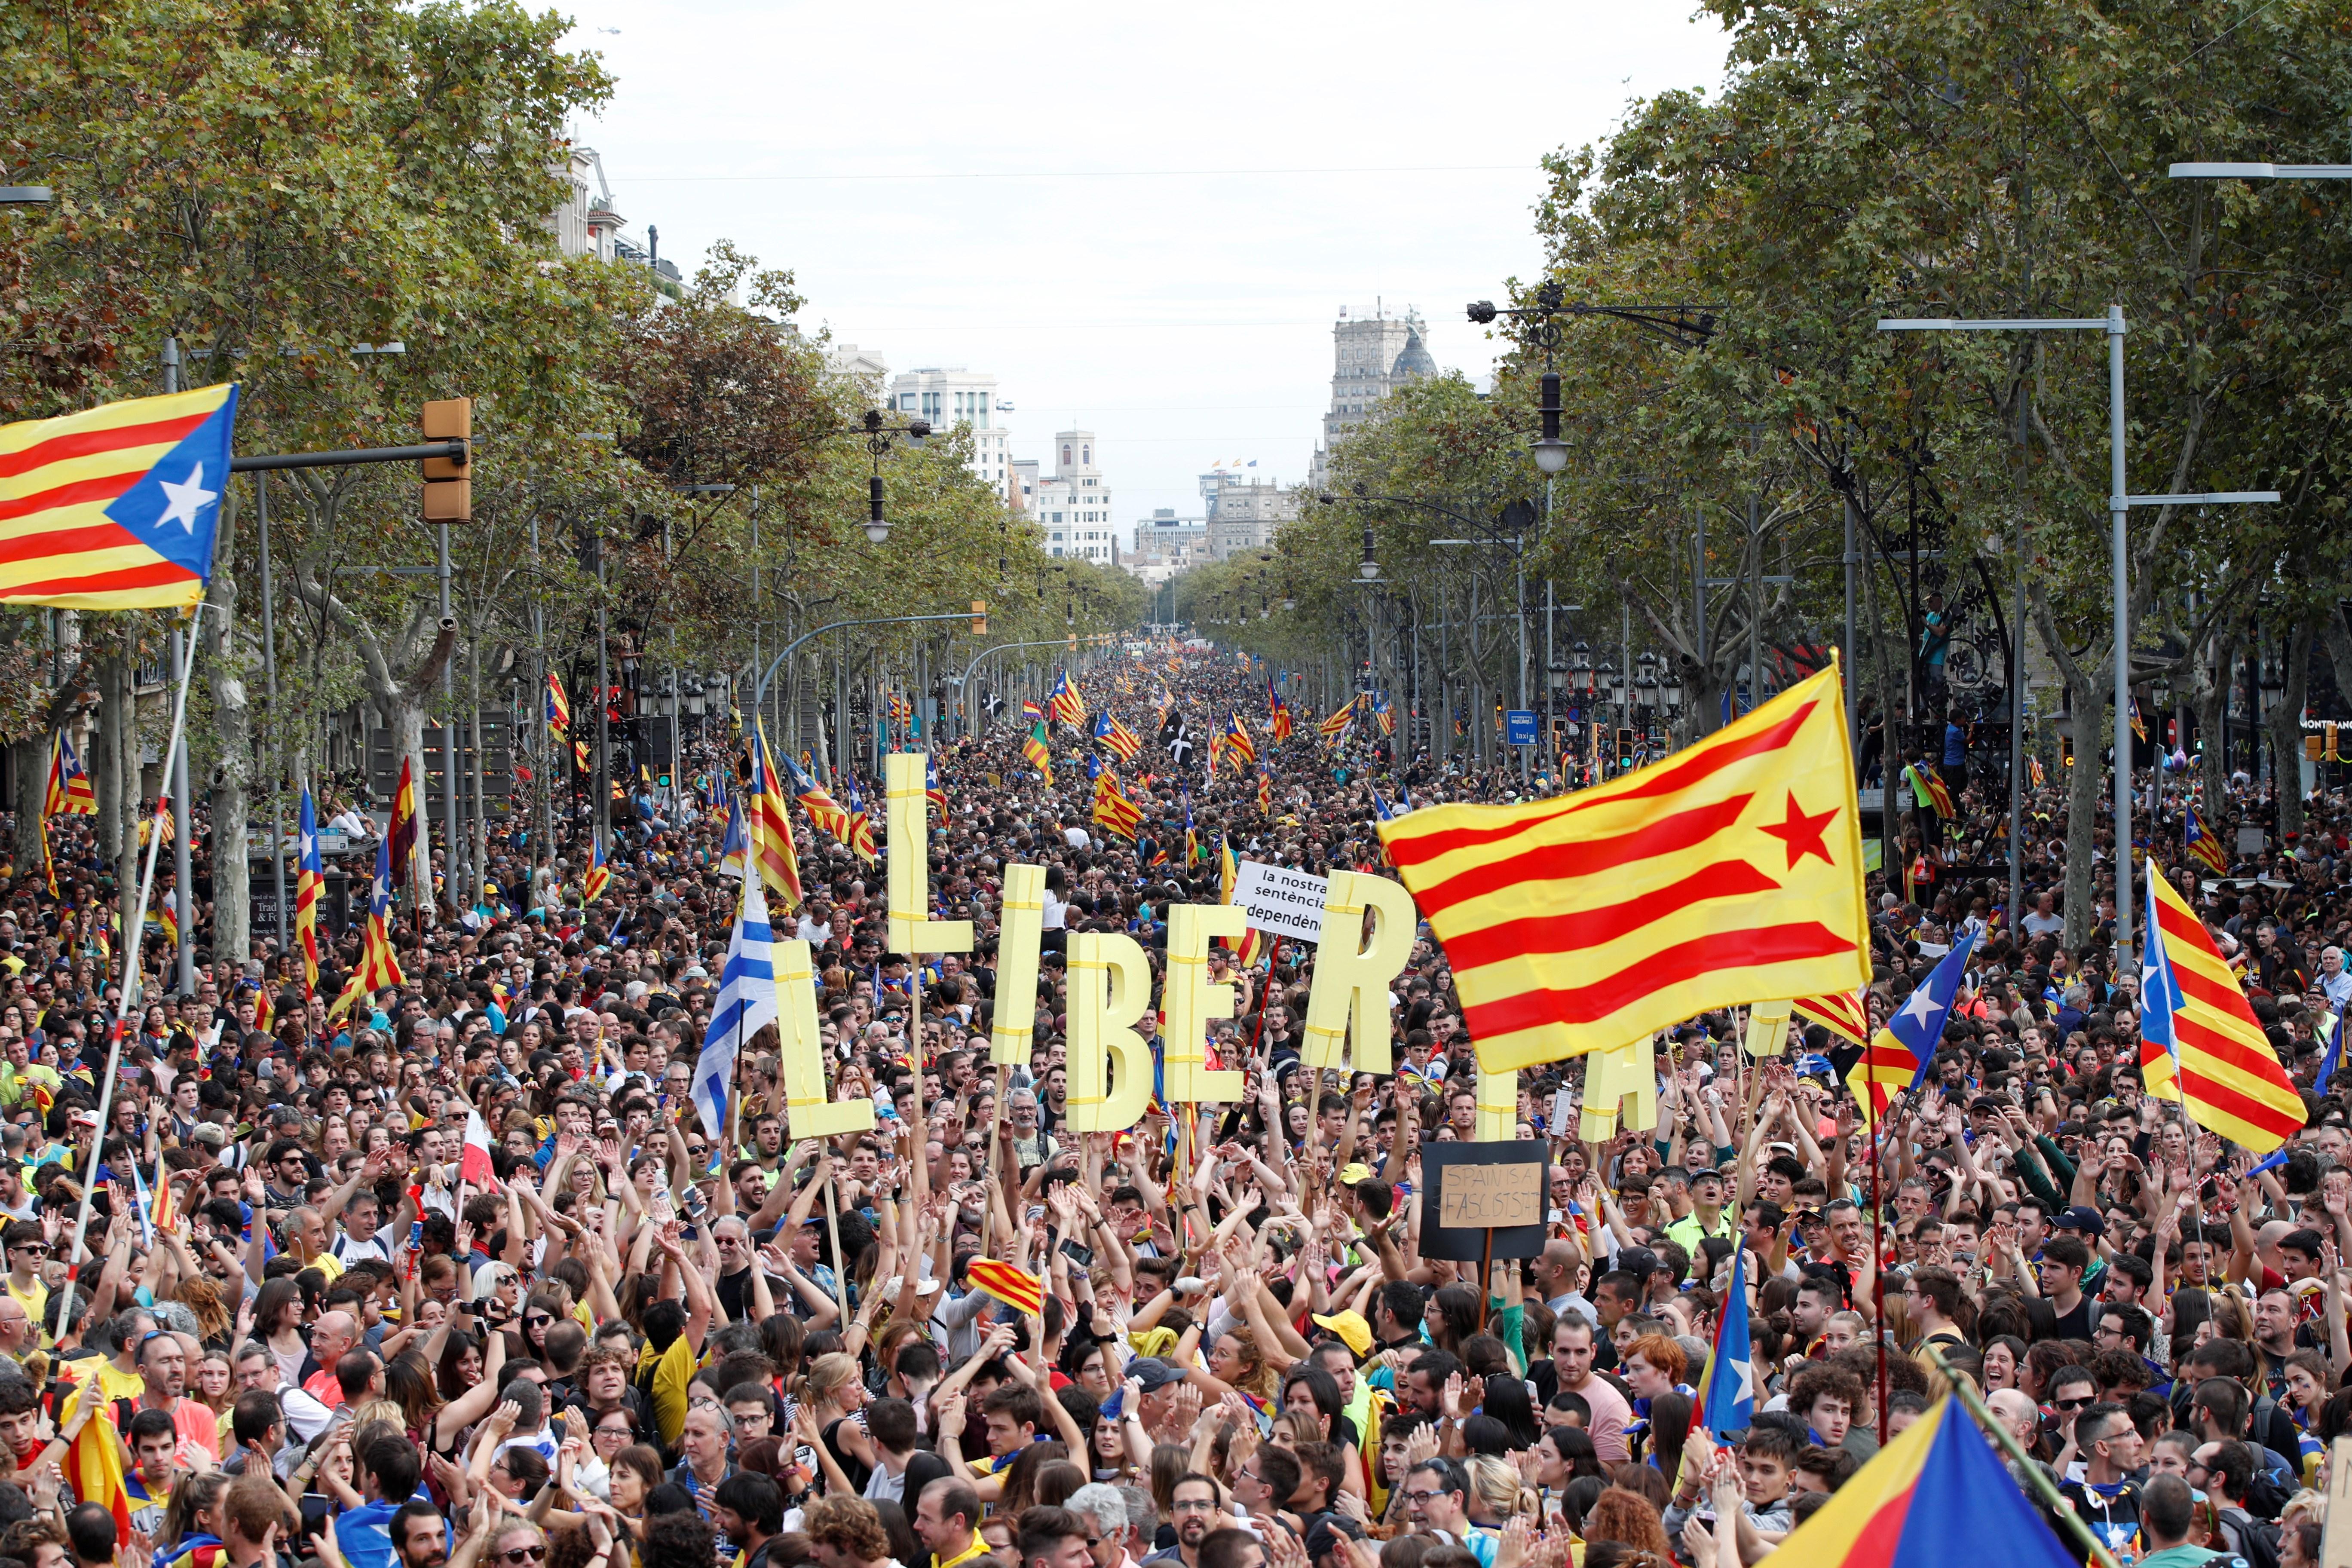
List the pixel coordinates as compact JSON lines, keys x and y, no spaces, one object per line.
{"x":2333,"y":1058}
{"x":747,"y":1003}
{"x":1899,"y":1053}
{"x":115,"y":508}
{"x":738,"y":842}
{"x":1727,"y":1392}
{"x":2160,"y":998}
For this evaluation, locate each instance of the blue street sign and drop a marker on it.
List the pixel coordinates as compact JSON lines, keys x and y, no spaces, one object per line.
{"x":1519,"y":726}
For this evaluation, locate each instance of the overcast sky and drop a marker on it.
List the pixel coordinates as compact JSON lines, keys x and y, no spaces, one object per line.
{"x":1144,"y":222}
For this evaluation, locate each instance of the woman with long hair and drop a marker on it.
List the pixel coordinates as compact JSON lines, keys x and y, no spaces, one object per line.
{"x":1236,"y":1366}
{"x":1021,"y":1475}
{"x":1562,"y":1455}
{"x":278,"y":1324}
{"x":1626,"y":1516}
{"x":634,"y":1473}
{"x":1450,"y":1317}
{"x":836,"y":1398}
{"x":2004,"y":1357}
{"x":1309,"y":1390}
{"x":214,"y":1384}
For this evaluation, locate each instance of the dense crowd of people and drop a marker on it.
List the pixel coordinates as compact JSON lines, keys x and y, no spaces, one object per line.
{"x":653,"y":1342}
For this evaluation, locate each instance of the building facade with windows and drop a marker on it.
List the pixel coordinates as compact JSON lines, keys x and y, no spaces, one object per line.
{"x":952,"y":396}
{"x":1243,"y":513}
{"x":1072,"y":504}
{"x":1370,"y":357}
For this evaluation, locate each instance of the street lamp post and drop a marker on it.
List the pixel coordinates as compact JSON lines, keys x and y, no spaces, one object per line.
{"x":2119,"y":504}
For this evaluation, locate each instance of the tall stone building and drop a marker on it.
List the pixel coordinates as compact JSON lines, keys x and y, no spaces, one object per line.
{"x":1371,"y":357}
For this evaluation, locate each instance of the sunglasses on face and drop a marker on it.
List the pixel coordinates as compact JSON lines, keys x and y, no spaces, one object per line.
{"x":522,"y":1554}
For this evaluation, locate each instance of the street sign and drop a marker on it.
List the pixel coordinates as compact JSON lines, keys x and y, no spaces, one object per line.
{"x":1519,"y":726}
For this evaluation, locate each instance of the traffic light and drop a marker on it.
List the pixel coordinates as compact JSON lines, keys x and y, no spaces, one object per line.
{"x":980,"y":618}
{"x":448,"y":490}
{"x":1624,"y":749}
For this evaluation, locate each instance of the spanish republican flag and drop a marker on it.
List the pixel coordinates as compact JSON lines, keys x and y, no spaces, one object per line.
{"x":1935,"y":1494}
{"x":2198,"y":1041}
{"x":1729,"y":872}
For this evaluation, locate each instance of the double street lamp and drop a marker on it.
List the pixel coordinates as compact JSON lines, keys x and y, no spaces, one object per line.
{"x":1685,"y":326}
{"x":2119,"y":504}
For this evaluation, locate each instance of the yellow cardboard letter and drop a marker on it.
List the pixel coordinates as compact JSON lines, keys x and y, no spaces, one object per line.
{"x":1612,"y":1078}
{"x":1020,"y":931}
{"x":1110,"y":1066}
{"x":807,"y":1112}
{"x":1191,"y":1003}
{"x":1352,"y":982}
{"x":911,"y":932}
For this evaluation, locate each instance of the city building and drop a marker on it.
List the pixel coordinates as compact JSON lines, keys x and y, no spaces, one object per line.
{"x":1020,"y":488}
{"x":863,"y":365}
{"x":1243,"y":513}
{"x":952,"y":396}
{"x":1072,"y":505}
{"x":1165,"y":546}
{"x":587,"y":223}
{"x":1371,"y":357}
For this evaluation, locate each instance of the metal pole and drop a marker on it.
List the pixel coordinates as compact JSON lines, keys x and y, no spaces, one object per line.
{"x":1851,"y":691}
{"x":548,"y":766}
{"x":448,"y":733}
{"x":1526,"y":754}
{"x":1755,"y":612}
{"x":184,"y":659}
{"x":601,"y":812}
{"x":268,"y":725}
{"x":2017,"y":701}
{"x":175,"y":778}
{"x":2118,"y":533}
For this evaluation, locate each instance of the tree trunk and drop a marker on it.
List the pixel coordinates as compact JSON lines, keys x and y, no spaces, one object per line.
{"x":2082,"y":796}
{"x":29,"y":760}
{"x":2286,"y":725}
{"x":106,"y":758}
{"x":2209,"y":699}
{"x":232,"y":876}
{"x":480,"y":857}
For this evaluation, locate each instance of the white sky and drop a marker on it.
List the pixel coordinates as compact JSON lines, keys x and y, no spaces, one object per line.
{"x":1138,"y":221}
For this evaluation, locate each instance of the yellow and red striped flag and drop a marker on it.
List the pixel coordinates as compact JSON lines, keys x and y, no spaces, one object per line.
{"x":69,"y":789}
{"x":599,"y":877}
{"x":557,"y":707}
{"x":2199,"y":1043}
{"x":771,"y":824}
{"x":1839,"y":1012}
{"x":379,"y":965}
{"x":309,"y":881}
{"x":115,"y":508}
{"x":1729,"y":872}
{"x":93,"y":1464}
{"x":1113,"y":811}
{"x":1017,"y":1288}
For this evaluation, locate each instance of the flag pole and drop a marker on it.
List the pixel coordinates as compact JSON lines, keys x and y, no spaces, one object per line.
{"x":2043,"y":1489}
{"x":133,"y":941}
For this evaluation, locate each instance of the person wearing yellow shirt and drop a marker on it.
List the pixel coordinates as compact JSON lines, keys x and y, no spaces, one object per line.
{"x":672,"y":1345}
{"x":28,"y":1249}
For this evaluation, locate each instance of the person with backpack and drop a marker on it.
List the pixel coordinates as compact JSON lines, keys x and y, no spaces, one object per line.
{"x":2231,"y":1470}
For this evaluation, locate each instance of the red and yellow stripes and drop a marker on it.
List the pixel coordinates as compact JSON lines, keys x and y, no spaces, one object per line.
{"x":2226,"y":1075}
{"x":1730,"y":872}
{"x":1023,"y":1291}
{"x":1841,"y":1012}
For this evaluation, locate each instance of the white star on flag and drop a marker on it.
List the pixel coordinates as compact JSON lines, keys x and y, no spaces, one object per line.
{"x":187,"y":500}
{"x":1920,"y":1007}
{"x":1747,"y":1373}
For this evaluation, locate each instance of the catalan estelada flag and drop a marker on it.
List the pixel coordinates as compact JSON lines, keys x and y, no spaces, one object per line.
{"x":1936,"y":1489}
{"x":114,"y":508}
{"x":1016,"y":1288}
{"x":1118,"y":737}
{"x":824,"y":813}
{"x":1895,"y":1055}
{"x":599,"y":876}
{"x":557,"y":707}
{"x":1279,"y":711}
{"x":1065,"y":703}
{"x":379,"y":966}
{"x":1729,"y":872}
{"x":2199,"y":841}
{"x":860,"y":837}
{"x":167,"y":915}
{"x":1237,"y":740}
{"x":1841,"y":1012}
{"x":309,"y":877}
{"x":70,"y":792}
{"x":773,"y":850}
{"x":1113,"y":811}
{"x":931,"y":790}
{"x":2198,"y":1041}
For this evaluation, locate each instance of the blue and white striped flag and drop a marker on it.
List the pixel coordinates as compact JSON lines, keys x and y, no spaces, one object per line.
{"x":746,"y":1002}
